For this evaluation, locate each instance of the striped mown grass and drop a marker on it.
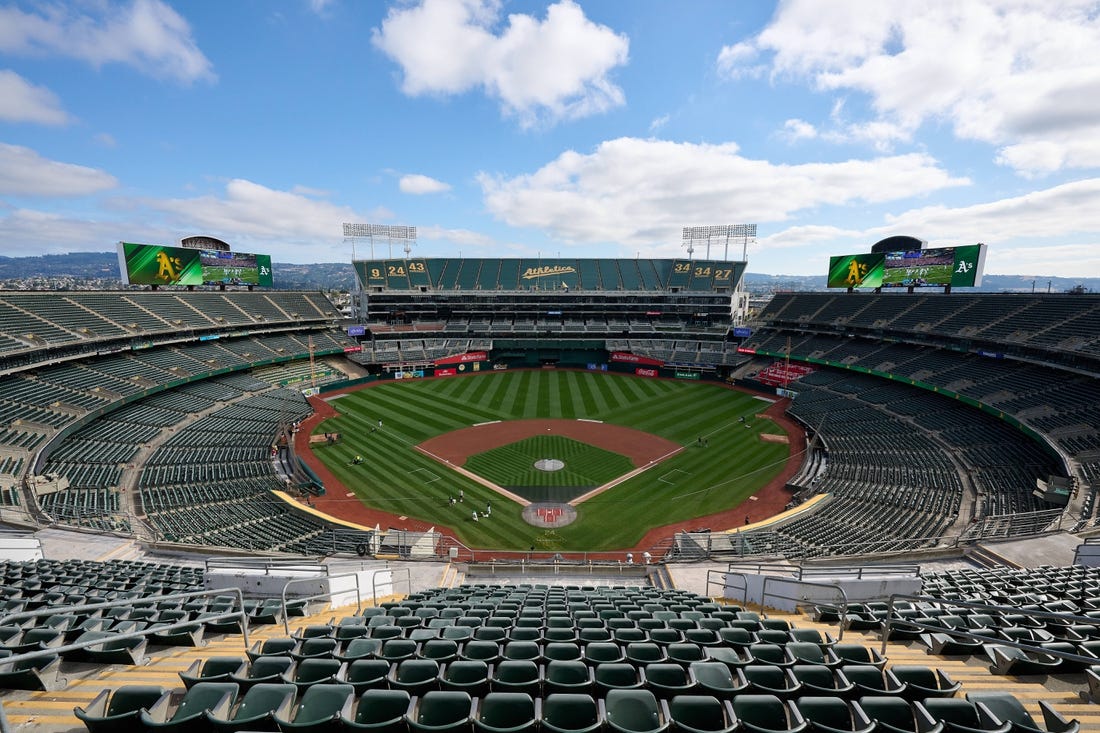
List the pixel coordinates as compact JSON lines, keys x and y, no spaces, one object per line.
{"x":513,"y":467}
{"x":694,"y":483}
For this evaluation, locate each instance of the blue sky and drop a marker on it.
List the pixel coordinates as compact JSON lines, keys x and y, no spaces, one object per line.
{"x":573,"y":128}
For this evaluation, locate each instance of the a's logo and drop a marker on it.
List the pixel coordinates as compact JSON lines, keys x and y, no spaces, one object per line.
{"x":169,"y":267}
{"x":546,"y":271}
{"x":856,"y":272}
{"x":964,"y":267}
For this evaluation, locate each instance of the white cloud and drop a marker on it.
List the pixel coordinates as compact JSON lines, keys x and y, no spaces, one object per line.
{"x":105,"y":139}
{"x":658,"y":123}
{"x":253,"y":210}
{"x":462,"y":237}
{"x":145,"y":34}
{"x":417,"y":184}
{"x":1022,"y":75}
{"x":21,"y":101}
{"x":23,"y":172}
{"x":795,"y":130}
{"x":636,"y":191}
{"x":320,"y":7}
{"x":1070,"y":208}
{"x":541,"y":71}
{"x":41,"y":232}
{"x":739,"y":62}
{"x":1033,"y":232}
{"x":310,"y":191}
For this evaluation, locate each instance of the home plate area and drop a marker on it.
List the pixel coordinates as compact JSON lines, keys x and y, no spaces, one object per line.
{"x":549,"y":514}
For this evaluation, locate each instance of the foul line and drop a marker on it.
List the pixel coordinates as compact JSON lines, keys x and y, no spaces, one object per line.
{"x":585,"y":419}
{"x":479,"y":424}
{"x":626,"y":476}
{"x":474,"y":477}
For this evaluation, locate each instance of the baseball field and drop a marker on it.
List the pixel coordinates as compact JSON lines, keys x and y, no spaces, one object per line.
{"x":718,"y":457}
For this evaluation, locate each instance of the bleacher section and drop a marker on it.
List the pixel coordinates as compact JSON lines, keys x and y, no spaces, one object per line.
{"x":210,"y":482}
{"x":526,"y":657}
{"x":673,"y":310}
{"x":1028,"y":360}
{"x":91,"y":377}
{"x":31,"y":321}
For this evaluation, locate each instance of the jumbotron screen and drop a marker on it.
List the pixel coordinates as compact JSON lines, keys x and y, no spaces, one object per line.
{"x":955,"y":266}
{"x":154,"y":264}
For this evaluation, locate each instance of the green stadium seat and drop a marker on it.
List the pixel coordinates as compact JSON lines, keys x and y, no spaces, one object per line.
{"x":366,"y":674}
{"x":380,"y":710}
{"x":570,"y":713}
{"x":257,"y":710}
{"x":507,"y":712}
{"x":633,"y":711}
{"x":442,"y":711}
{"x":118,"y":711}
{"x":321,"y":709}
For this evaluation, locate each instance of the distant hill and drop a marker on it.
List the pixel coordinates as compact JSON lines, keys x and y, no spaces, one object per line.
{"x":100,"y":269}
{"x":759,"y":282}
{"x":81,"y":270}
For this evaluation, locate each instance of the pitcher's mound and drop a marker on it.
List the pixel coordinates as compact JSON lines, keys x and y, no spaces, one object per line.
{"x":549,"y":464}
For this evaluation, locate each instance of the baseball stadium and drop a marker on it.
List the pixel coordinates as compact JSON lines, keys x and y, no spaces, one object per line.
{"x":549,"y":494}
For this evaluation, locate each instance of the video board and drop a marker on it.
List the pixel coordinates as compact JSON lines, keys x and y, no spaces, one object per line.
{"x":955,"y":266}
{"x":154,"y":264}
{"x":941,"y":267}
{"x":855,"y":271}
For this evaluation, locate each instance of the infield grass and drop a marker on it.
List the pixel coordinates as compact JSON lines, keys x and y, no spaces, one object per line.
{"x":704,"y":480}
{"x":513,"y":467}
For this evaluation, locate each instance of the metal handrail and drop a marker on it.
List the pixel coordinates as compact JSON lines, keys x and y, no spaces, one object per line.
{"x":374,"y":582}
{"x":831,"y":586}
{"x":724,"y":582}
{"x":324,"y":594}
{"x":149,"y":631}
{"x":891,"y":620}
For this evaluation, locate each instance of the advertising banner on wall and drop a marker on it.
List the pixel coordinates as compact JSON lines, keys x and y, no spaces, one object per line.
{"x":463,"y":358}
{"x":622,"y":356}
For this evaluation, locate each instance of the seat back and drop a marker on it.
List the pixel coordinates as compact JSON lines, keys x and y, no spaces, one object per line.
{"x":1005,"y":707}
{"x":446,"y":707}
{"x":892,"y":711}
{"x":204,"y":696}
{"x":826,"y":712}
{"x":131,"y":698}
{"x":570,"y":712}
{"x":632,"y":710}
{"x":698,"y":712}
{"x":263,"y":699}
{"x":322,"y":702}
{"x":382,"y":706}
{"x":762,"y":711}
{"x":506,"y":710}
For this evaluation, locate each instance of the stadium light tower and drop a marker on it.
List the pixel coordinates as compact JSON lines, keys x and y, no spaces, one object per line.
{"x":390,"y":233}
{"x":744,"y":232}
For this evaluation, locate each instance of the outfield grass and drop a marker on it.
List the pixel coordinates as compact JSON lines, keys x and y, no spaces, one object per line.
{"x":694,"y":483}
{"x":512,"y":466}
